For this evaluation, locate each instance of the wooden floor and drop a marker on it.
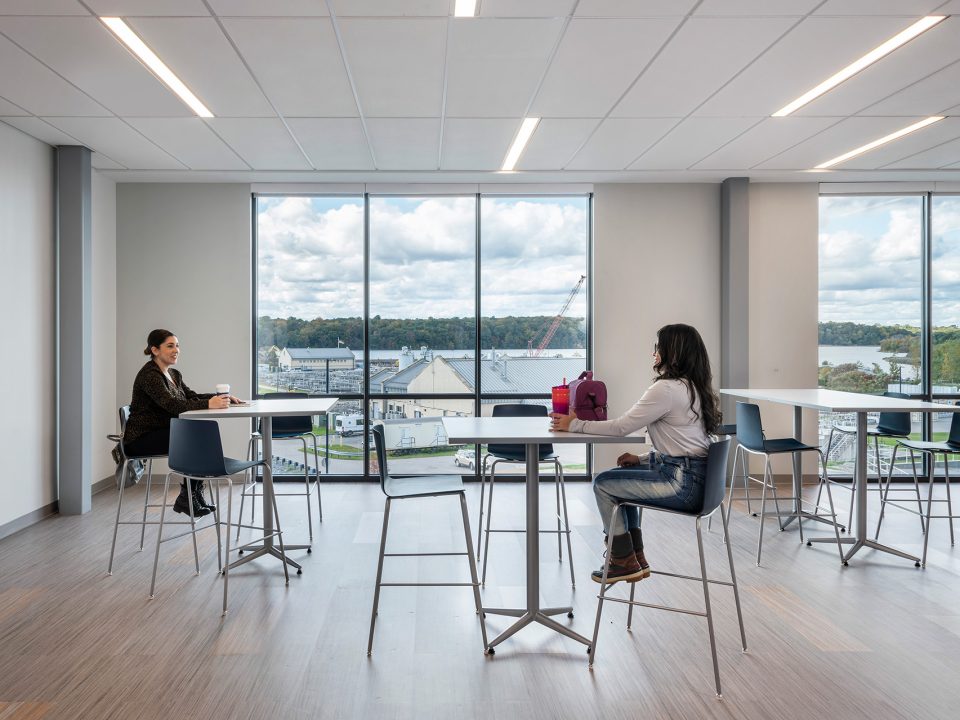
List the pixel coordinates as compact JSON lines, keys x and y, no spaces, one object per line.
{"x":877,"y":639}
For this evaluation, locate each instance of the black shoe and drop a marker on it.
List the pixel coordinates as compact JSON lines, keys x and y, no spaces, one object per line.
{"x":181,"y":505}
{"x":200,"y":499}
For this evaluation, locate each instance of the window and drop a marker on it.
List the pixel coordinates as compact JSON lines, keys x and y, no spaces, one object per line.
{"x":889,"y":307}
{"x":377,"y":300}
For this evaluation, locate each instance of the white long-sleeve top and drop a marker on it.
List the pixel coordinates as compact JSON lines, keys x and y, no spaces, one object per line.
{"x":674,"y":428}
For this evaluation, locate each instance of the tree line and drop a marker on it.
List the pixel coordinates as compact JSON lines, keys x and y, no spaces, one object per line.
{"x":435,"y":333}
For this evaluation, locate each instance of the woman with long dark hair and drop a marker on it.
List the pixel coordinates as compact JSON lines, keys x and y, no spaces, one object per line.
{"x":680,"y":411}
{"x":159,"y":395}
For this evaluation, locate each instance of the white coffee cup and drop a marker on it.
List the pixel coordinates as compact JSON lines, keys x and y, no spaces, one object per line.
{"x":223,"y":389}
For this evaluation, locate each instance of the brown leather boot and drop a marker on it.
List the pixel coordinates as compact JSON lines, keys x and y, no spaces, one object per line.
{"x":637,"y":538}
{"x":623,"y":563}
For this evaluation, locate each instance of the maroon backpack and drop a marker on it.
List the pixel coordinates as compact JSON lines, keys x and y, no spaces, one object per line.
{"x":588,"y":397}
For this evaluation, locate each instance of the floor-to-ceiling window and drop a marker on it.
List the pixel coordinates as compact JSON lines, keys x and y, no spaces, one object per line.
{"x":889,"y":307}
{"x":412,"y":308}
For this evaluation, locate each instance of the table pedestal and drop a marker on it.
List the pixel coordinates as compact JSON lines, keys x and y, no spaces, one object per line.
{"x":533,"y":613}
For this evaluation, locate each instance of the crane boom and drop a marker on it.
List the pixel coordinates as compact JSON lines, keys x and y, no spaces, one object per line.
{"x":555,"y":325}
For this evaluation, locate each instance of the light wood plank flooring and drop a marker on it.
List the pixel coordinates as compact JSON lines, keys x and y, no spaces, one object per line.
{"x":878,"y":639}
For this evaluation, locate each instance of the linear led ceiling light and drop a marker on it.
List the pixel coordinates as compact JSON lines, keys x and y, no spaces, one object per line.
{"x":520,"y":142}
{"x":129,"y":38}
{"x":920,"y":26}
{"x":882,"y":141}
{"x":465,"y":8}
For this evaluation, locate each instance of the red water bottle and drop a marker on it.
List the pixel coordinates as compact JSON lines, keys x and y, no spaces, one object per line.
{"x":560,"y":395}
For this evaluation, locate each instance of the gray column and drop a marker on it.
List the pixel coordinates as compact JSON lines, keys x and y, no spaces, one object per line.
{"x":734,"y":289}
{"x":74,"y":329}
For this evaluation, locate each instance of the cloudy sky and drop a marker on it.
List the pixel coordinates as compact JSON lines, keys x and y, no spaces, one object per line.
{"x":422,"y":256}
{"x":870,"y":260}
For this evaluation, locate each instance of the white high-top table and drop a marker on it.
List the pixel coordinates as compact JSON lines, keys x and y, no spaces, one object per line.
{"x":531,"y":432}
{"x":266,"y":410}
{"x":836,"y":401}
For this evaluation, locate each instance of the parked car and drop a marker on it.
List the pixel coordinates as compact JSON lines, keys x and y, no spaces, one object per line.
{"x":465,"y":457}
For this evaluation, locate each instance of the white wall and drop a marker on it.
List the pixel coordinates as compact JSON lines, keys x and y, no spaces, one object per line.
{"x":656,"y":261}
{"x":104,"y":280}
{"x":783,"y":302}
{"x":183,"y":263}
{"x":27,"y":276}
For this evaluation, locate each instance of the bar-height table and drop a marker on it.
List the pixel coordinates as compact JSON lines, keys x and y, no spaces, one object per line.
{"x":531,"y":432}
{"x":843,"y":402}
{"x":266,"y":410}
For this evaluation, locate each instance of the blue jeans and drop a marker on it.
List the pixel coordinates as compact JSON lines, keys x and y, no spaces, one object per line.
{"x":675,"y":483}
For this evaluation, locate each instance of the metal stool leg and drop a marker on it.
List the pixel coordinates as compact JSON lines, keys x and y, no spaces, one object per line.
{"x":926,"y":536}
{"x":833,"y":510}
{"x":885,"y":492}
{"x":763,"y":507}
{"x":709,"y":613}
{"x":251,"y":450}
{"x":316,"y":466}
{"x":163,"y":511}
{"x":473,"y":569}
{"x":946,"y":478}
{"x":116,"y":522}
{"x":486,"y":552}
{"x":146,"y":501}
{"x":216,"y":525}
{"x":483,"y":484}
{"x":306,"y":486}
{"x":566,"y":523}
{"x":556,"y":487}
{"x":725,"y":517}
{"x":226,"y":566}
{"x":193,"y":523}
{"x":603,"y":588}
{"x":376,"y":590}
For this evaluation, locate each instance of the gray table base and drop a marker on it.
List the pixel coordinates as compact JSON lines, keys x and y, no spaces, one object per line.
{"x":533,"y":613}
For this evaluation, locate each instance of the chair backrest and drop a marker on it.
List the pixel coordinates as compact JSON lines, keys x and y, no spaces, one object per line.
{"x":749,"y":427}
{"x":380,"y":443}
{"x":715,"y":484}
{"x":293,"y":424}
{"x":895,"y":423}
{"x":124,"y":413}
{"x":512,"y":451}
{"x":728,"y":429}
{"x":195,"y":448}
{"x":954,"y":437}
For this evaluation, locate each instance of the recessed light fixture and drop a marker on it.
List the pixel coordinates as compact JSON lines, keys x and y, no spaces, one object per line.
{"x":139,"y":48}
{"x":465,"y":8}
{"x":882,"y":141}
{"x":520,"y":142}
{"x":920,"y":26}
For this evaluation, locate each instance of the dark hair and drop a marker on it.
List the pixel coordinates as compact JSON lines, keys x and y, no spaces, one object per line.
{"x":156,"y":339}
{"x":683,"y":356}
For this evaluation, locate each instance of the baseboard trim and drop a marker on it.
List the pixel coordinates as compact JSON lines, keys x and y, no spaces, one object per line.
{"x":109,"y":482}
{"x":31,"y":518}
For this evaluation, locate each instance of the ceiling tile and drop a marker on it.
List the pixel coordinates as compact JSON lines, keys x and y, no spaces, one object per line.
{"x":846,"y":135}
{"x":199,"y":53}
{"x":756,"y":7}
{"x":777,"y":77}
{"x":147,"y":8}
{"x":554,"y":142}
{"x":493,"y":66}
{"x":929,"y":96}
{"x":596,"y":62}
{"x":9,"y":108}
{"x":949,"y":8}
{"x":703,"y":55}
{"x":903,"y":8}
{"x":298,"y":64}
{"x":691,"y":141}
{"x":633,"y":8}
{"x":617,"y":142}
{"x":333,"y":143}
{"x":35,"y":127}
{"x":527,"y":8}
{"x":397,"y":65}
{"x":405,"y":143}
{"x":42,"y":7}
{"x":84,"y":52}
{"x":191,"y":141}
{"x":946,"y":155}
{"x":476,"y":144}
{"x":924,"y":55}
{"x":263,"y":143}
{"x":274,"y":8}
{"x":772,"y":136}
{"x":928,"y":140}
{"x":393,"y":8}
{"x":36,"y":88}
{"x":100,"y":161}
{"x":119,"y":141}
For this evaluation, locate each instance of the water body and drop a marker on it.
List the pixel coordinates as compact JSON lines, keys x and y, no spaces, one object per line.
{"x":865,"y":354}
{"x":394,"y":354}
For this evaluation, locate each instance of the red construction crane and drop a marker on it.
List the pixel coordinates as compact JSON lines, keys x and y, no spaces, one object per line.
{"x":555,"y":325}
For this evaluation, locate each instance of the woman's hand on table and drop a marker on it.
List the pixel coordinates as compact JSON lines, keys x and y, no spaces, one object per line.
{"x":561,"y":423}
{"x":237,"y":401}
{"x":218,"y":402}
